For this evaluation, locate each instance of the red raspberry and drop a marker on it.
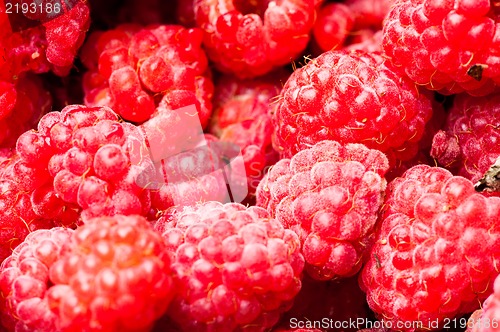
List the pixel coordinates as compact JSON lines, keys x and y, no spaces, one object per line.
{"x":49,"y":46}
{"x":242,"y":116}
{"x":341,"y":301}
{"x":137,"y":70}
{"x":234,"y":267}
{"x":335,"y":22}
{"x":250,"y":38}
{"x":487,"y":319}
{"x":115,"y":276}
{"x":448,"y":46}
{"x":82,"y":162}
{"x":469,"y":142}
{"x":330,"y":196}
{"x":31,"y":101}
{"x":351,"y":98}
{"x":24,"y":280}
{"x":437,"y":251}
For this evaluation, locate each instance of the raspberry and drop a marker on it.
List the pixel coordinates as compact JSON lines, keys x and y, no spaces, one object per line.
{"x":241,"y":116}
{"x":82,"y":162}
{"x":49,"y":46}
{"x":115,"y":276}
{"x":335,"y":22}
{"x":448,"y":46}
{"x":234,"y":267}
{"x":350,"y":98}
{"x":24,"y":280}
{"x":330,"y":196}
{"x":138,"y":70}
{"x":31,"y":101}
{"x":487,"y":318}
{"x":342,"y":301}
{"x":468,"y":144}
{"x":436,"y":252}
{"x":250,"y":39}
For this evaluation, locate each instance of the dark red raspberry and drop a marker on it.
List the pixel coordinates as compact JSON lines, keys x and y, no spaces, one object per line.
{"x":330,"y":196}
{"x":234,"y":267}
{"x":250,"y":38}
{"x":470,"y":140}
{"x":351,"y":98}
{"x":242,"y":116}
{"x":437,"y":250}
{"x":138,"y":70}
{"x":25,"y":278}
{"x":448,"y":46}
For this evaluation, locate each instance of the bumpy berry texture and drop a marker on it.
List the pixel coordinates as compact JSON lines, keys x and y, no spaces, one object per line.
{"x":330,"y":196}
{"x":234,"y":267}
{"x":350,"y":98}
{"x":250,"y":39}
{"x":487,"y":319}
{"x":114,"y":276}
{"x":52,"y":45}
{"x":242,"y":116}
{"x":469,"y":142}
{"x":80,"y":163}
{"x":137,"y":70}
{"x":340,"y":301}
{"x":437,"y":250}
{"x":449,"y":46}
{"x":21,"y":113}
{"x":25,"y":278}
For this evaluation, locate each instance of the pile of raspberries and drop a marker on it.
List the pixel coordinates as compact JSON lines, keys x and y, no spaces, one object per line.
{"x":250,"y":166}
